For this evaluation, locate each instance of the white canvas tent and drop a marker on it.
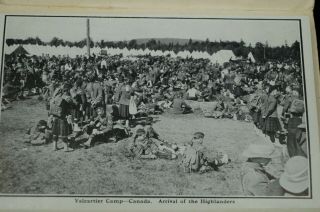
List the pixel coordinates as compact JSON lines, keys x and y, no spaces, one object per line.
{"x":10,"y":49}
{"x":220,"y":57}
{"x":223,"y":56}
{"x":251,"y":58}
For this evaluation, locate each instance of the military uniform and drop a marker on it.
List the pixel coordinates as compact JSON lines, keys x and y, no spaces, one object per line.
{"x":272,"y":123}
{"x":262,"y":107}
{"x":287,"y":103}
{"x":296,"y":110}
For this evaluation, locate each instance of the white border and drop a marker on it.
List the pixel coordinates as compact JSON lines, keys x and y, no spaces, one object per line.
{"x":67,"y":203}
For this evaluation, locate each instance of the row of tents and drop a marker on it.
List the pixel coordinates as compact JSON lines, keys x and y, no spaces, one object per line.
{"x":219,"y":57}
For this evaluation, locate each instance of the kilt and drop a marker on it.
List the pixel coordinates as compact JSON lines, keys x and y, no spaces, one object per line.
{"x":272,"y":125}
{"x":76,"y":114}
{"x":61,"y":128}
{"x":124,"y":111}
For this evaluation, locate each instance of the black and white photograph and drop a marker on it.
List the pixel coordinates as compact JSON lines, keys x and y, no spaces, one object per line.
{"x":154,"y":107}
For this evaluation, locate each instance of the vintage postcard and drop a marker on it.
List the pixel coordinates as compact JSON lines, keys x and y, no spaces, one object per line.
{"x":128,"y":112}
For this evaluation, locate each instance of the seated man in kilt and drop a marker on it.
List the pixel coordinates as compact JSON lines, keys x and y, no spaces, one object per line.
{"x":100,"y":128}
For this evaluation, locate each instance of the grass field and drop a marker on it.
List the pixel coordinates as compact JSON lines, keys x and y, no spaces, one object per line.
{"x":104,"y":169}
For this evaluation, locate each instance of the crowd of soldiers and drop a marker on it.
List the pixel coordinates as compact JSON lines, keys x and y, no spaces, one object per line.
{"x":99,"y":92}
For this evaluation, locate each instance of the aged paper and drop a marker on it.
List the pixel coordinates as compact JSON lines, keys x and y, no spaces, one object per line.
{"x":272,"y":44}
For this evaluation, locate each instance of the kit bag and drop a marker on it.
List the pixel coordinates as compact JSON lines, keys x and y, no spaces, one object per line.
{"x":55,"y":106}
{"x":191,"y":160}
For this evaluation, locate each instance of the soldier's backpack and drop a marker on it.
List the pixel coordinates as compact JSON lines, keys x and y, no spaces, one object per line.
{"x":191,"y":160}
{"x":55,"y":106}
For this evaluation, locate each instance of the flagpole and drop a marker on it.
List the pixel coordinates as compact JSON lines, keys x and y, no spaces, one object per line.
{"x":88,"y":37}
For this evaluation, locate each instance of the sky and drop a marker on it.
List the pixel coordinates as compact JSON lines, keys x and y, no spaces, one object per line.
{"x":114,"y":29}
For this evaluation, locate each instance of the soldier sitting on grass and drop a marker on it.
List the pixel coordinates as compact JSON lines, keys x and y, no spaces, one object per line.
{"x":141,"y":146}
{"x":196,"y":157}
{"x":38,"y":134}
{"x":99,"y":129}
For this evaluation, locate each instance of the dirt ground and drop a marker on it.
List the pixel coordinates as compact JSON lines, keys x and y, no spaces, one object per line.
{"x":104,"y":169}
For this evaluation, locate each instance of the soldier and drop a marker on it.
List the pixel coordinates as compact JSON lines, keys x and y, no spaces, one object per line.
{"x":38,"y":134}
{"x":60,"y":114}
{"x":299,"y":144}
{"x":100,"y":128}
{"x":291,"y":95}
{"x":270,"y":114}
{"x":179,"y":106}
{"x":79,"y":100}
{"x":296,"y":110}
{"x":142,"y":147}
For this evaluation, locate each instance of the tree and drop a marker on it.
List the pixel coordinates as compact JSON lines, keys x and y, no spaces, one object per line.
{"x":132,"y":44}
{"x":10,"y":41}
{"x":258,"y":51}
{"x":295,"y":51}
{"x":56,"y":42}
{"x":242,"y":43}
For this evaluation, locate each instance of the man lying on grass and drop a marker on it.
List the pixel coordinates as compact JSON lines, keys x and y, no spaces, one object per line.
{"x":145,"y":145}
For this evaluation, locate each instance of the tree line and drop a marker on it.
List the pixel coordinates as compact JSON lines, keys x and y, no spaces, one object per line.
{"x":261,"y":51}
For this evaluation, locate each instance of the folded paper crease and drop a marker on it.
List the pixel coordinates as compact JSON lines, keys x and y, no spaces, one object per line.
{"x":281,"y":5}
